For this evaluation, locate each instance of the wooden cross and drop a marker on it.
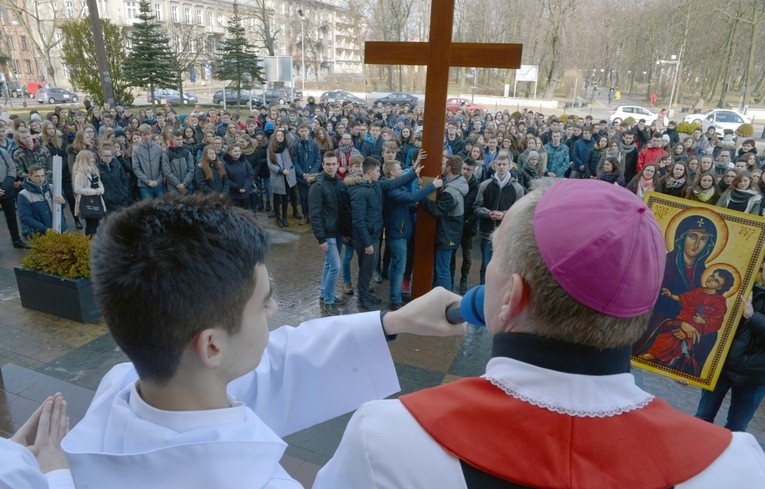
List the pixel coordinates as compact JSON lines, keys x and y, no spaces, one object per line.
{"x":438,"y":54}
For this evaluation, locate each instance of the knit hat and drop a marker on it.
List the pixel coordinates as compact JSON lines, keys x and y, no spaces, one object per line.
{"x":119,"y":109}
{"x":533,"y":154}
{"x":602,"y":244}
{"x":269,"y":126}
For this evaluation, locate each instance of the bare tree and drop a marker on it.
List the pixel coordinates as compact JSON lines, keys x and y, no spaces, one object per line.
{"x":265,"y":30}
{"x":40,"y":19}
{"x":187,"y":41}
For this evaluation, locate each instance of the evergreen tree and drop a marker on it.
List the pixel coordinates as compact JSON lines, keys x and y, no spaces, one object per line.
{"x":150,"y":63}
{"x":79,"y":52}
{"x":238,"y":61}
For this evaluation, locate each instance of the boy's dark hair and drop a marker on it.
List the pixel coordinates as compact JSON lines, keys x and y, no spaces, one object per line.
{"x":163,"y":270}
{"x":369,"y":164}
{"x":729,"y":280}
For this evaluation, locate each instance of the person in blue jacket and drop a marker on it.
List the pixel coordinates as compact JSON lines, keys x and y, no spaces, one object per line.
{"x":35,"y":204}
{"x":398,"y":211}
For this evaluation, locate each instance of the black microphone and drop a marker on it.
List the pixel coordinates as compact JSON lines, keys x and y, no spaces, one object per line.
{"x":469,"y":309}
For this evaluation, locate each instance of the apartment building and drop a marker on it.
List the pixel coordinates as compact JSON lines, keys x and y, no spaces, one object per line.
{"x":332,"y":48}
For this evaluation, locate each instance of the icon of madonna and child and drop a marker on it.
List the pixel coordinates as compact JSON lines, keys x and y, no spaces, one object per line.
{"x":698,"y":307}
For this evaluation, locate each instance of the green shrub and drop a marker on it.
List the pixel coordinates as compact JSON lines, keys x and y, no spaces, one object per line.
{"x":564,"y":119}
{"x":745,"y":130}
{"x":688,"y":127}
{"x":516,"y":115}
{"x":630,"y":121}
{"x":66,"y":255}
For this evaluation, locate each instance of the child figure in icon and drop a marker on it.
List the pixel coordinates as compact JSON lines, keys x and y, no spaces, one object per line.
{"x":683,"y":343}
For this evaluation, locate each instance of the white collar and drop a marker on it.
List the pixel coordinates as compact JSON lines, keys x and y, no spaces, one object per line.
{"x":573,"y":394}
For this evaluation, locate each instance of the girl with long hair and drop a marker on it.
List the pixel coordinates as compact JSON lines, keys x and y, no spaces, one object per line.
{"x":87,"y":181}
{"x":705,"y":189}
{"x":740,"y":197}
{"x":210,"y":174}
{"x":644,"y":181}
{"x":282,"y":175}
{"x":676,"y":182}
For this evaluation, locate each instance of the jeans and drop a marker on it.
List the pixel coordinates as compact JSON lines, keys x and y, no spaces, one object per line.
{"x":366,"y":265}
{"x":486,"y":252}
{"x":442,"y":276}
{"x":303,"y":190}
{"x":467,"y":257}
{"x":265,"y":188}
{"x":331,"y":269}
{"x":150,"y":193}
{"x":397,"y":253}
{"x":744,"y":401}
{"x":347,"y":257}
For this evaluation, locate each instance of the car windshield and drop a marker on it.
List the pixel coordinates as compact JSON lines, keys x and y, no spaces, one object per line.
{"x":729,"y":117}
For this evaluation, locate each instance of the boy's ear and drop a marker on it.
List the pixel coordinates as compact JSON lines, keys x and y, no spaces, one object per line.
{"x":207,"y":345}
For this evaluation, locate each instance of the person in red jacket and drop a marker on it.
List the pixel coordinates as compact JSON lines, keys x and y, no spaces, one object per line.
{"x":651,"y":152}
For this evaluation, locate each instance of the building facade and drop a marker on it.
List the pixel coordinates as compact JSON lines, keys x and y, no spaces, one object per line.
{"x":30,"y":45}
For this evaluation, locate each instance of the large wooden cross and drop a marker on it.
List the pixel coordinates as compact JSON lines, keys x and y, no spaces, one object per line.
{"x":438,"y":54}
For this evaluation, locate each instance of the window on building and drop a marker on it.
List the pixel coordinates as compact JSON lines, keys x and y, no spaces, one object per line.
{"x":187,"y":15}
{"x":23,"y":42}
{"x":69,"y":6}
{"x":10,"y":43}
{"x":200,"y":16}
{"x":85,"y":10}
{"x":193,"y":45}
{"x":131,"y":9}
{"x":158,"y":11}
{"x":28,"y":66}
{"x":174,"y":13}
{"x":209,"y":18}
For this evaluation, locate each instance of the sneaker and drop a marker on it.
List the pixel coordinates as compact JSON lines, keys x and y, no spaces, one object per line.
{"x":378,"y":278}
{"x":297,"y":215}
{"x":395,"y":306}
{"x":348,"y":288}
{"x":463,"y":286}
{"x":339,"y":300}
{"x":21,"y":244}
{"x":367,"y":305}
{"x":271,"y":214}
{"x":332,"y":310}
{"x":77,"y":223}
{"x":406,"y":286}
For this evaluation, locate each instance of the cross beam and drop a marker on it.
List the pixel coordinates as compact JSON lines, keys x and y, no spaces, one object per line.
{"x":438,"y":54}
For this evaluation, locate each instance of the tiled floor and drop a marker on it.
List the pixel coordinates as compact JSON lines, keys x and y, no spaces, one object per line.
{"x":40,"y":354}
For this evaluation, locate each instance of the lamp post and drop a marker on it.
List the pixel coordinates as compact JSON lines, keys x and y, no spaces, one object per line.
{"x":676,"y":62}
{"x":302,"y":47}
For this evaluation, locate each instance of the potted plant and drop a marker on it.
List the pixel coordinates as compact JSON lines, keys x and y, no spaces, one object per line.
{"x":54,"y":277}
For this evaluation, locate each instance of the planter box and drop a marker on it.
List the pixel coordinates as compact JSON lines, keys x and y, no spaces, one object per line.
{"x":66,"y":298}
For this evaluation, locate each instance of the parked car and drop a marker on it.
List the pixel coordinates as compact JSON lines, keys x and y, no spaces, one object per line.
{"x":453,"y":104}
{"x":721,"y":119}
{"x":398,"y":98}
{"x":340,"y":96}
{"x":15,"y":89}
{"x":283,"y":95}
{"x":635,"y":111}
{"x":54,"y":95}
{"x":244,"y":97}
{"x":170,"y":95}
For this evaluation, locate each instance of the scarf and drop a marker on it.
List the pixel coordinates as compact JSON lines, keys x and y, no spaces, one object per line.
{"x":345,"y":147}
{"x":627,"y":148}
{"x":502,"y":183}
{"x":612,"y":153}
{"x":672,"y":183}
{"x":704,"y":195}
{"x":280,"y":147}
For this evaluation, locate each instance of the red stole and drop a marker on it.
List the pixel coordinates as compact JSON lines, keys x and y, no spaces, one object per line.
{"x":652,"y":447}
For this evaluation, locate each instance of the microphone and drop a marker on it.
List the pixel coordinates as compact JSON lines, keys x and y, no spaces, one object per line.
{"x":469,"y":309}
